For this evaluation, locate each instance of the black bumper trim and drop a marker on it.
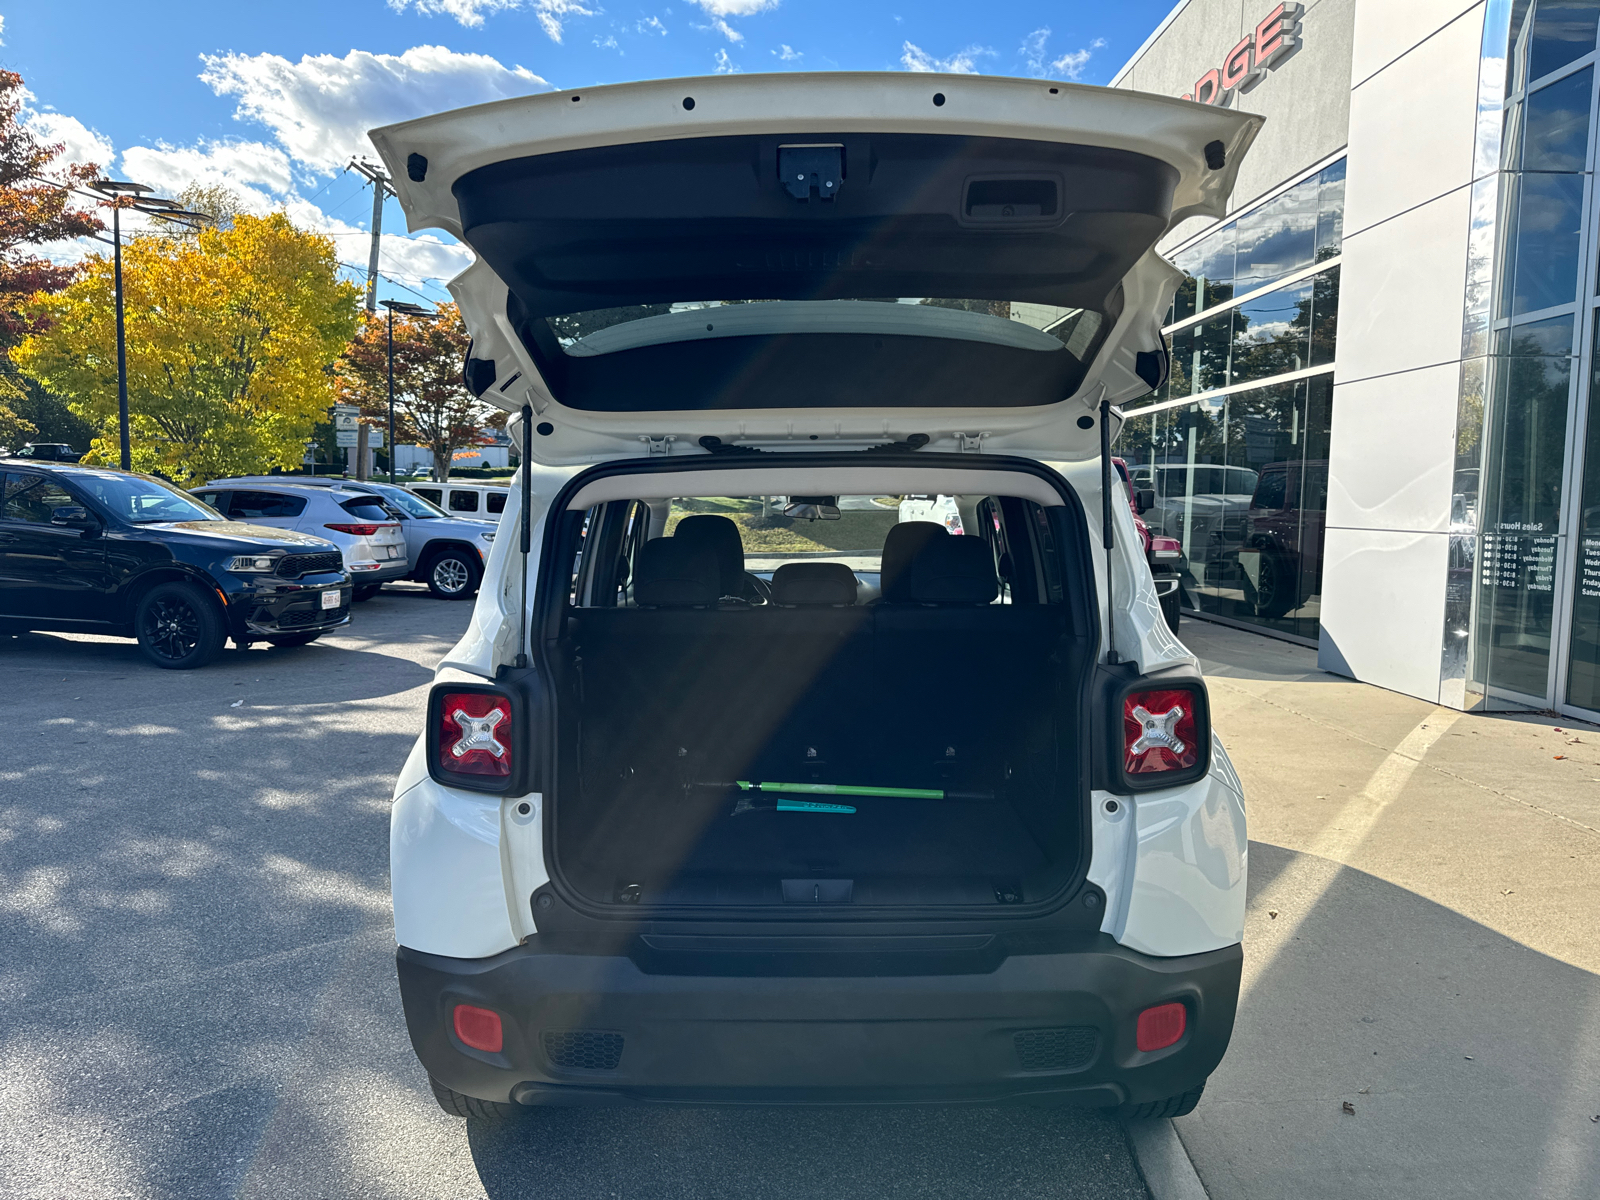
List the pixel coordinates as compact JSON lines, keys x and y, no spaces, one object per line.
{"x":841,"y":1039}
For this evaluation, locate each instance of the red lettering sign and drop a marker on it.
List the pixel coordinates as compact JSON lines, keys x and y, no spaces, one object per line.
{"x":1274,"y":38}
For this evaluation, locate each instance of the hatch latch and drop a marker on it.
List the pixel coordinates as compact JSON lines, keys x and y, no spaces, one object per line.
{"x":970,"y":443}
{"x":658,"y":445}
{"x":811,"y":170}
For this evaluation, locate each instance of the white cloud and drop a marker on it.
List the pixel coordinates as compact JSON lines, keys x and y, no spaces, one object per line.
{"x":1071,"y":64}
{"x":259,"y":173}
{"x":2,"y":30}
{"x":725,"y":65}
{"x":720,"y":10}
{"x":789,"y":53}
{"x":963,"y":62}
{"x":652,"y":25}
{"x":549,"y":13}
{"x":79,"y":143}
{"x":609,"y":42}
{"x":320,"y":108}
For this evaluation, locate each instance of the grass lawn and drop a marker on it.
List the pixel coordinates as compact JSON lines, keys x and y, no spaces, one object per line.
{"x":853,"y":532}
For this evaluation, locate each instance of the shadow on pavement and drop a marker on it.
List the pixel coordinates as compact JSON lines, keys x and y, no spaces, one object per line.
{"x":1471,"y":1060}
{"x":786,"y":1153}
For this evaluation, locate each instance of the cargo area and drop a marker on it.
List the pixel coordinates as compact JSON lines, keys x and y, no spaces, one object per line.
{"x":896,"y":724}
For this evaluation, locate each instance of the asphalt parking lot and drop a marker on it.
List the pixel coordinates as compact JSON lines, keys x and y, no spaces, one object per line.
{"x":197,"y":992}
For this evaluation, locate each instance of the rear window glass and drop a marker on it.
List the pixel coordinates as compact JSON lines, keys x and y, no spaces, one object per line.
{"x":463,"y":501}
{"x":257,"y":506}
{"x":367,"y":508}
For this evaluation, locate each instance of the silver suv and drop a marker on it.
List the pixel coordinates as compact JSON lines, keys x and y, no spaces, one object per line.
{"x":446,"y":552}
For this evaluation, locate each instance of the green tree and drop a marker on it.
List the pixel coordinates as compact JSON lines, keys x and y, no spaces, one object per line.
{"x":232,"y":336}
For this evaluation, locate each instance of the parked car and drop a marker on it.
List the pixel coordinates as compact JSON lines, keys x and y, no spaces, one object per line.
{"x":445,"y":552}
{"x":1164,"y":554}
{"x":666,"y":838}
{"x":362,"y":526}
{"x":92,"y":550}
{"x":464,"y":499}
{"x":1202,"y":508}
{"x":48,"y":452}
{"x":1281,"y":559}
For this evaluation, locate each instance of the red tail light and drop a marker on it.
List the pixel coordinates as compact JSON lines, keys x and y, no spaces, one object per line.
{"x":474,"y":734}
{"x":1159,"y":1027}
{"x":480,"y":1028}
{"x":356,"y":530}
{"x":1160,"y":732}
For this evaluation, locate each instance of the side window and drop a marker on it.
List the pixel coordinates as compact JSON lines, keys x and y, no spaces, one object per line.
{"x":461,"y":501}
{"x":217,"y":500}
{"x":496,"y":502}
{"x":431,"y":494}
{"x":255,"y":506}
{"x":33,"y":498}
{"x":1270,"y":491}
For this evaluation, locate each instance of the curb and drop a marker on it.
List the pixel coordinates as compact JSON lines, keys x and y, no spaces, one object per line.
{"x":1162,"y":1160}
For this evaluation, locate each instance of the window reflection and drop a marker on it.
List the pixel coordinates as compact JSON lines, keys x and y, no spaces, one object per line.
{"x":1560,"y":32}
{"x":1583,"y":677}
{"x":1285,"y":330}
{"x":1557,"y":133}
{"x":1549,"y":219}
{"x":1242,"y":483}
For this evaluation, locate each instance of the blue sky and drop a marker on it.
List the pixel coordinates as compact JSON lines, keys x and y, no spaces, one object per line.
{"x":273,"y":98}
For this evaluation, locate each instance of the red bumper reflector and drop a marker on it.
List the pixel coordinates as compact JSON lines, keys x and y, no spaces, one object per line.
{"x":480,"y":1028}
{"x":1159,"y":1027}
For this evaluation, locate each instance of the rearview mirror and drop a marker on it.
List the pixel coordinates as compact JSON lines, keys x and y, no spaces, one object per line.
{"x":1144,"y":500}
{"x":812,"y":512}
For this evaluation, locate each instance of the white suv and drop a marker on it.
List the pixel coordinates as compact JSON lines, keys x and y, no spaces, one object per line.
{"x":366,"y":532}
{"x":738,"y":787}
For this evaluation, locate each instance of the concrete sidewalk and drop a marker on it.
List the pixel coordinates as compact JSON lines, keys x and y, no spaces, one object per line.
{"x":1422,"y":944}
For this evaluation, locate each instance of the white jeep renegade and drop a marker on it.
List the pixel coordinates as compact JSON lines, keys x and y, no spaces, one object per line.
{"x":739,"y":788}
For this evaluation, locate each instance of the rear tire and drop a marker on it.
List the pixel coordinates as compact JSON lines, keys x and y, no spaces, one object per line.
{"x":453,"y":575}
{"x":294,"y":639}
{"x":178,"y":626}
{"x":471,"y":1107}
{"x":365,"y":591}
{"x":1173,"y":1106}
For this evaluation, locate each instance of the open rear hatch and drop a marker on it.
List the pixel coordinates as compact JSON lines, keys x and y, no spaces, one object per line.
{"x":815,"y":261}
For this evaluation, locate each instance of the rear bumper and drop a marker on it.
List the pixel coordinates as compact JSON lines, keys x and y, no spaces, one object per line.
{"x":583,"y":1028}
{"x":384,"y":572}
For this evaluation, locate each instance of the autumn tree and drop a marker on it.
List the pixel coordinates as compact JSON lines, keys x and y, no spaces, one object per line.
{"x":432,"y":407}
{"x":232,"y":336}
{"x":35,"y":208}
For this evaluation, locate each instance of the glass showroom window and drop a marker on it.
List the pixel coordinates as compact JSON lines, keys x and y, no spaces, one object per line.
{"x":1523,"y":519}
{"x":1241,"y":474}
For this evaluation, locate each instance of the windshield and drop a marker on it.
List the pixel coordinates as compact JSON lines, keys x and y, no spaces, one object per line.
{"x":141,"y":499}
{"x":410,"y":503}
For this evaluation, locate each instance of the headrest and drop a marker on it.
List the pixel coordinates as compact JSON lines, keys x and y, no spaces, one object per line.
{"x":954,"y":570}
{"x":803,"y":584}
{"x":904,"y":543}
{"x":720,"y":536}
{"x":675,"y":574}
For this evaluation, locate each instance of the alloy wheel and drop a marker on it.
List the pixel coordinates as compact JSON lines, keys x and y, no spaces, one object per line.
{"x":172,"y":628}
{"x":451,"y":575}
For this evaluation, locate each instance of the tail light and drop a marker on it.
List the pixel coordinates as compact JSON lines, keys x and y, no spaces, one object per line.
{"x":356,"y":530}
{"x":1158,"y":1028}
{"x":475,"y":737}
{"x":1166,"y":735}
{"x":480,"y":1028}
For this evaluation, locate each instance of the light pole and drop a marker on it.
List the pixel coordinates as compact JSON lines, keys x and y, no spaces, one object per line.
{"x":121,"y":194}
{"x":417,"y":313}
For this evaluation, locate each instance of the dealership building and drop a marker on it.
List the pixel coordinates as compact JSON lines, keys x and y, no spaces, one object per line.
{"x":1376,"y":437}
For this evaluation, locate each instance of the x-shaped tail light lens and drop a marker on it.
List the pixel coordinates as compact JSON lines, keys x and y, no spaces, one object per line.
{"x":475,"y":734}
{"x":1159,"y":732}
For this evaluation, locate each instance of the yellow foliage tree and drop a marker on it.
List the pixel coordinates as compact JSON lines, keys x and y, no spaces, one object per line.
{"x":231,"y":336}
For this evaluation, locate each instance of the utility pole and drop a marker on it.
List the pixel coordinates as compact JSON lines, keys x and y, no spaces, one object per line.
{"x":381,"y":188}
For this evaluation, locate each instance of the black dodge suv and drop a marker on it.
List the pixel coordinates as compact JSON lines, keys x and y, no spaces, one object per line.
{"x":92,"y":550}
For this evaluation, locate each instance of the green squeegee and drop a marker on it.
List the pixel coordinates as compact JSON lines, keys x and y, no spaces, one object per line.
{"x":842,"y":789}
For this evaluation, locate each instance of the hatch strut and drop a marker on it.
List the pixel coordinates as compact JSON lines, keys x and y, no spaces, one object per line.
{"x":1105,"y":525}
{"x":526,"y":534}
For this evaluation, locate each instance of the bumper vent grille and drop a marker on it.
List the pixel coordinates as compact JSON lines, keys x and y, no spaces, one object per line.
{"x":583,"y":1049}
{"x":1055,"y":1049}
{"x":299,"y":618}
{"x":295,"y":565}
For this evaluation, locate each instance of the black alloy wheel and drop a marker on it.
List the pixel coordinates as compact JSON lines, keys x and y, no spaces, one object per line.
{"x":178,"y":626}
{"x":365,"y":591}
{"x":294,"y":639}
{"x":1274,"y":588}
{"x":453,"y":575}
